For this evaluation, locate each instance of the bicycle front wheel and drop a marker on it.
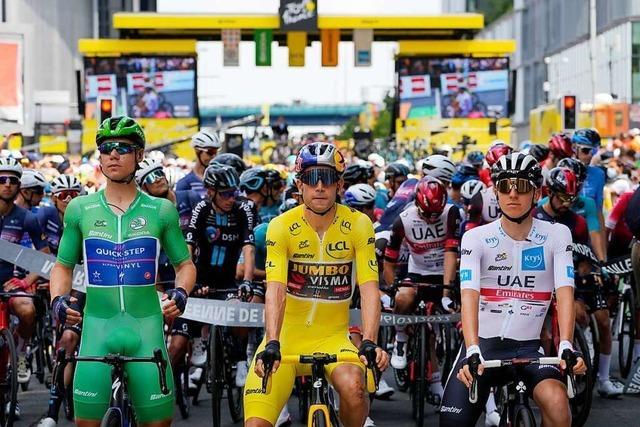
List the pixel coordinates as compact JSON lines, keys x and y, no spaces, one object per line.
{"x":112,"y":418}
{"x":627,"y":332}
{"x":524,"y":418}
{"x":581,"y":402}
{"x":8,"y":378}
{"x":181,"y":380}
{"x":319,"y":419}
{"x":419,"y":380}
{"x":216,"y":377}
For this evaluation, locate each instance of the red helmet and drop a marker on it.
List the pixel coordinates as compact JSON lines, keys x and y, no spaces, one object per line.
{"x":496,"y":152}
{"x":564,"y":181}
{"x":431,"y":197}
{"x":560,"y":146}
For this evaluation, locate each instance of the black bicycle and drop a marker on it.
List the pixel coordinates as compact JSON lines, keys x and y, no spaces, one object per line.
{"x":120,"y":411}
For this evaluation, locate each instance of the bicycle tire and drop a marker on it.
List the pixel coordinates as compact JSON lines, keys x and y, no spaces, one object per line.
{"x":215,"y":372}
{"x":319,"y":419}
{"x":68,"y":401}
{"x":595,"y":342}
{"x":581,"y":403}
{"x":304,"y":398}
{"x":448,"y":352}
{"x":627,"y":333}
{"x":112,"y":418}
{"x":401,"y":377}
{"x":235,"y":398}
{"x":523,"y":418}
{"x":40,"y":362}
{"x":181,"y":381}
{"x":420,"y":375}
{"x":8,"y":378}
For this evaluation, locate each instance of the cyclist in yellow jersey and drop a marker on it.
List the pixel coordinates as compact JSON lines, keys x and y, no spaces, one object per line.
{"x":316,"y":254}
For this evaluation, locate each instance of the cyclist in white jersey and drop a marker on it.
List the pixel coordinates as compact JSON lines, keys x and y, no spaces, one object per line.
{"x":509,"y":270}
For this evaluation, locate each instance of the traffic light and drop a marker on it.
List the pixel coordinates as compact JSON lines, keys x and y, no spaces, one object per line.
{"x":106,"y":107}
{"x":568,"y":107}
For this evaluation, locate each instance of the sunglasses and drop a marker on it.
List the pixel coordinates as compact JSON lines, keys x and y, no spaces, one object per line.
{"x":566,"y":198}
{"x":154,"y":176}
{"x":13,"y":180}
{"x":38,"y":191}
{"x":585,"y":150}
{"x":364,"y":207}
{"x":67,"y":195}
{"x":228,"y":194}
{"x":210,"y":151}
{"x":120,"y":147}
{"x":521,"y":185}
{"x":313,"y":176}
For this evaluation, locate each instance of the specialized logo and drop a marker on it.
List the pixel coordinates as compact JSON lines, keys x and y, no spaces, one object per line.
{"x":465,"y":275}
{"x":295,"y":229}
{"x":138,"y":223}
{"x":303,"y":244}
{"x":533,"y":259}
{"x":100,"y":223}
{"x":492,"y":242}
{"x":501,"y":257}
{"x":338,"y":250}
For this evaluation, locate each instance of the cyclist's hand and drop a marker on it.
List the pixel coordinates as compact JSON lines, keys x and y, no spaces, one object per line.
{"x":448,"y":304}
{"x":245,"y":291}
{"x":63,"y":313}
{"x":15,"y":284}
{"x":369,"y":348}
{"x":464,"y":374}
{"x":580,"y":368}
{"x":270,"y":356}
{"x":174,"y":302}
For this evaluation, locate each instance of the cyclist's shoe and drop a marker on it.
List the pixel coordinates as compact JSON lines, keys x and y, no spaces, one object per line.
{"x":399,"y":355}
{"x":47,"y":422}
{"x":369,"y":423}
{"x":242,"y":369}
{"x":492,"y":419}
{"x":284,"y":419}
{"x":16,"y":414}
{"x":608,"y":389}
{"x":24,"y":373}
{"x":198,"y":353}
{"x":194,"y":377}
{"x":384,"y":391}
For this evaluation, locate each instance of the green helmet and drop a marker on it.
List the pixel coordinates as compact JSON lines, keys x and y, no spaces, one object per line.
{"x":120,"y":127}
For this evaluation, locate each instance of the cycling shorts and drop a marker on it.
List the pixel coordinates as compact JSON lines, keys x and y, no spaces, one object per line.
{"x":293,"y":340}
{"x":128,"y":336}
{"x":456,"y":410}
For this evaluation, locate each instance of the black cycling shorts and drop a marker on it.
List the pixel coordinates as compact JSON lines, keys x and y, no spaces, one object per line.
{"x":457,"y":411}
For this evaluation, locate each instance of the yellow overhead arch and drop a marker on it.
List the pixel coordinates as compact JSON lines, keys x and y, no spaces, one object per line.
{"x":479,"y":47}
{"x":116,"y":47}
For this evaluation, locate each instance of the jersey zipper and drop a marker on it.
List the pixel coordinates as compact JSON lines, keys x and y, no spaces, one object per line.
{"x":121,"y":273}
{"x":506,"y":324}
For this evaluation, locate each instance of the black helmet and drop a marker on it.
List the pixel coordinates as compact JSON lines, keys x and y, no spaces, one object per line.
{"x":252,"y":180}
{"x":220,"y":177}
{"x":517,"y":165}
{"x":230,"y":159}
{"x":539,"y":152}
{"x":357,"y":173}
{"x":396,"y":169}
{"x":576,"y":166}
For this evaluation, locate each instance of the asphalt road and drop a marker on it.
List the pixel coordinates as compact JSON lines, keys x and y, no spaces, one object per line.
{"x":396,"y":412}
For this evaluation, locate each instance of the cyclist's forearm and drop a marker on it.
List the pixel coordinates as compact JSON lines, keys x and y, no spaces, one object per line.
{"x":566,"y":312}
{"x":598,"y":245}
{"x":388,"y":272}
{"x":275,"y":302}
{"x":186,"y":276}
{"x":61,"y":280}
{"x":370,"y":310}
{"x":450,"y":264}
{"x":470,"y":303}
{"x":249,"y":253}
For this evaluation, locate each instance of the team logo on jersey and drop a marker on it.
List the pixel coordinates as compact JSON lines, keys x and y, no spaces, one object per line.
{"x":570,"y":271}
{"x":138,"y":223}
{"x":501,"y":257}
{"x":303,"y":244}
{"x":345,"y":227}
{"x":295,"y":229}
{"x":213,"y":233}
{"x":465,"y":275}
{"x":100,"y":223}
{"x":492,"y":241}
{"x":533,"y":259}
{"x":337,"y":250}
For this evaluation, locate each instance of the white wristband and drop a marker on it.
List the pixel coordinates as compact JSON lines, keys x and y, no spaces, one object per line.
{"x":474,"y":349}
{"x":564,"y":344}
{"x":447,"y":303}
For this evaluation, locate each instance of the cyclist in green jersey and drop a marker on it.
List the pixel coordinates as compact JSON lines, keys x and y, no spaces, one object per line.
{"x":120,"y":231}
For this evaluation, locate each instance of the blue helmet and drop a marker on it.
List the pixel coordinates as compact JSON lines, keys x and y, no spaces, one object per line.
{"x":475,"y":158}
{"x":464,"y":173}
{"x":588,"y":137}
{"x":319,"y":154}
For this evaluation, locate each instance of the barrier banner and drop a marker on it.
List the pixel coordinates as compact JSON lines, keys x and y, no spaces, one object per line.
{"x":620,"y":265}
{"x":632,"y":386}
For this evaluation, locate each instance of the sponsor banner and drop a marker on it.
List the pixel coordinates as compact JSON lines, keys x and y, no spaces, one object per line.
{"x":621,"y":265}
{"x":330,"y":38}
{"x":37,"y":262}
{"x":231,"y":45}
{"x":164,"y":81}
{"x":632,"y":386}
{"x":362,"y":40}
{"x":415,"y":86}
{"x":298,"y":15}
{"x":11,"y":90}
{"x":263,"y":39}
{"x":297,"y":43}
{"x":100,"y":85}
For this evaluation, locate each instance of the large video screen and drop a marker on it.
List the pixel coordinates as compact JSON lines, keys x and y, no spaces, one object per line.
{"x":449,"y":88}
{"x":157,"y":87}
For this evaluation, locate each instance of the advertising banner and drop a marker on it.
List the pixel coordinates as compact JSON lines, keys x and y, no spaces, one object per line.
{"x":298,"y":15}
{"x":330,"y":38}
{"x":297,"y":43}
{"x":11,"y":90}
{"x":362,"y":40}
{"x":231,"y":46}
{"x":263,"y":39}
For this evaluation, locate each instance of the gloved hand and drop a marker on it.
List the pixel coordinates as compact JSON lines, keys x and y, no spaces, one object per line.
{"x":245,"y":291}
{"x":270,"y":354}
{"x":59,"y":307}
{"x":179,"y":295}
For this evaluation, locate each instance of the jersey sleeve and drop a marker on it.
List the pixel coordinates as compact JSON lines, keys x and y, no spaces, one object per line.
{"x":70,"y":248}
{"x":617,"y":212}
{"x":191,"y":232}
{"x":470,"y":261}
{"x":452,"y":239}
{"x":248,"y":237}
{"x":562,"y":257}
{"x":277,"y":264}
{"x":591,"y":215}
{"x":32,"y":226}
{"x":365,"y":251}
{"x":171,"y":238}
{"x":392,"y":251}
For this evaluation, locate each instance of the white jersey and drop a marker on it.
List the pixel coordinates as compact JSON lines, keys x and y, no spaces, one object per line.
{"x":516,"y":279}
{"x":490,"y":207}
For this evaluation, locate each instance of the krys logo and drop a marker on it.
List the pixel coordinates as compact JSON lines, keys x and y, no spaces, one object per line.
{"x":137,"y":223}
{"x":338,"y":250}
{"x":492,"y":242}
{"x":533,"y":259}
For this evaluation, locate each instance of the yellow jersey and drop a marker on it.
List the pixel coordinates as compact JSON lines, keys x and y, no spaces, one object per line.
{"x":320,"y":274}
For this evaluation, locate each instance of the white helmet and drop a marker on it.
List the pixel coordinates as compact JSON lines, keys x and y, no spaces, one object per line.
{"x":377,"y":160}
{"x":205,"y":140}
{"x":145,"y":167}
{"x":32,"y":178}
{"x":9,"y":164}
{"x":359,"y":195}
{"x":156,"y":155}
{"x":174,"y":175}
{"x":471,"y":188}
{"x":65,"y":182}
{"x":438,"y":166}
